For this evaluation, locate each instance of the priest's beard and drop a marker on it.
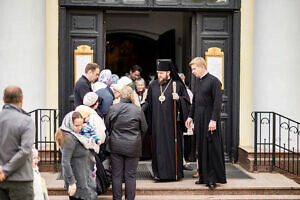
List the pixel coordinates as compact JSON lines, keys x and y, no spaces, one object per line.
{"x":162,"y":81}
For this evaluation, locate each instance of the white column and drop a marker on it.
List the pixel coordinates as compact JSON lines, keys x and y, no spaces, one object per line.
{"x":23,"y":50}
{"x":276,"y":61}
{"x":246,"y":131}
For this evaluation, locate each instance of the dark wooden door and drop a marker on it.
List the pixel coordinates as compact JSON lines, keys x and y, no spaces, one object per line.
{"x":77,"y":27}
{"x":216,"y":30}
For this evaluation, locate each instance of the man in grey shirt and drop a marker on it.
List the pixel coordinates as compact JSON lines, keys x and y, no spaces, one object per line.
{"x":16,"y":141}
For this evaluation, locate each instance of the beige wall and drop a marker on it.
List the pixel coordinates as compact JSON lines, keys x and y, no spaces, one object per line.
{"x":247,"y":17}
{"x":52,"y":54}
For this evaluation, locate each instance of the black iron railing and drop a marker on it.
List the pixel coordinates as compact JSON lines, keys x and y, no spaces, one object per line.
{"x":46,"y":124}
{"x":276,"y":142}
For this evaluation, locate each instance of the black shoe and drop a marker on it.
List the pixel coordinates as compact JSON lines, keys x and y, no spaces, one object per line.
{"x":155,"y":178}
{"x":199,"y":182}
{"x":187,"y":167}
{"x":212,"y":186}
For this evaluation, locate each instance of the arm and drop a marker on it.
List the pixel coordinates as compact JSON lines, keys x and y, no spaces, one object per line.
{"x":85,"y":88}
{"x":19,"y":159}
{"x":217,"y":99}
{"x":92,"y":134}
{"x":67,"y":153}
{"x":148,"y":104}
{"x":144,"y":125}
{"x":192,"y":111}
{"x":80,"y":90}
{"x":100,"y":128}
{"x":108,"y":121}
{"x":184,"y":106}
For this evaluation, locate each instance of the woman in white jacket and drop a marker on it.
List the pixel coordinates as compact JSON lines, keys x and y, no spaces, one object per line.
{"x":90,"y":102}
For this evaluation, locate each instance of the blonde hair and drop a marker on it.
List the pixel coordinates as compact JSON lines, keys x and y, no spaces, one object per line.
{"x":127,"y":93}
{"x":199,"y":61}
{"x":60,"y":137}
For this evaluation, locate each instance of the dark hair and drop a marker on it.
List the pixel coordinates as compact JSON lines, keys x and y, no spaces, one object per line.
{"x":13,"y":94}
{"x":91,"y":66}
{"x":76,"y":115}
{"x":135,"y":68}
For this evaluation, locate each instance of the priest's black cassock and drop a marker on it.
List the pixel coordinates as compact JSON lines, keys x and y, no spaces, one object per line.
{"x":161,"y":124}
{"x":206,"y":106}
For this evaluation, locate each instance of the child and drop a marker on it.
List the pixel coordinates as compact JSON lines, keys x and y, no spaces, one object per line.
{"x":39,"y":186}
{"x":88,"y":131}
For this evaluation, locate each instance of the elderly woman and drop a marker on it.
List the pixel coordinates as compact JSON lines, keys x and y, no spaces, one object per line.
{"x":125,"y":122}
{"x":140,"y":92}
{"x":77,"y":160}
{"x":103,"y":90}
{"x":116,"y":89}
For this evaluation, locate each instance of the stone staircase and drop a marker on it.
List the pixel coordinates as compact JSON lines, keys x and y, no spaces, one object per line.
{"x":256,"y":186}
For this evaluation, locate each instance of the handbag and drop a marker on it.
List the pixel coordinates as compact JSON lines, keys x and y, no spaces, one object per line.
{"x":102,"y":178}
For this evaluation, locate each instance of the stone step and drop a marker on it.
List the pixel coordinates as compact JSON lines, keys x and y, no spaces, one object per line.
{"x":202,"y":190}
{"x":194,"y":197}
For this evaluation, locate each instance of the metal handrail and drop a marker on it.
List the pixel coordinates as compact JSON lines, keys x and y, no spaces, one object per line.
{"x":276,"y":137}
{"x":46,"y":124}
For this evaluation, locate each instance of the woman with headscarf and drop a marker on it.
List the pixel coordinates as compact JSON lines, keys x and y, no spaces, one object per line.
{"x":116,"y":89}
{"x":114,"y":78}
{"x":77,"y":160}
{"x":103,"y":90}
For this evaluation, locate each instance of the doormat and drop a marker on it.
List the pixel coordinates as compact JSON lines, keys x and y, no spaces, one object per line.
{"x":144,"y":172}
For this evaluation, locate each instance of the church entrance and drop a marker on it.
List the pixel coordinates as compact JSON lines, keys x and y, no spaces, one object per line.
{"x":142,"y":37}
{"x":124,"y":50}
{"x":120,"y":37}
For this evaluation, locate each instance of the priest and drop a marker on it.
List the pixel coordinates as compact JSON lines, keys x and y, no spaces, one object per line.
{"x":205,"y":112}
{"x":160,"y":116}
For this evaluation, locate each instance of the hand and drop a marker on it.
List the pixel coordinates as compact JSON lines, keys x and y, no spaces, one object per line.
{"x":212,"y":125}
{"x":188,"y":123}
{"x":175,"y":96}
{"x":72,"y":189}
{"x":2,"y":175}
{"x":99,"y":142}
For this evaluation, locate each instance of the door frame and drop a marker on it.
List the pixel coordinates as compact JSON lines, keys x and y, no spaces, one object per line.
{"x":66,"y":85}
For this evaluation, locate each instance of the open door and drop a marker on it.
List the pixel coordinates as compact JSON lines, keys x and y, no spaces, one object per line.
{"x":166,"y":45}
{"x":77,"y":27}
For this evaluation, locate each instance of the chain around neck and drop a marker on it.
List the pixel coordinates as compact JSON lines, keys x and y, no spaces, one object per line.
{"x":162,"y":92}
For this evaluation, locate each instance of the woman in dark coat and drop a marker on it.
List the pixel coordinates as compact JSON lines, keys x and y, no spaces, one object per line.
{"x":77,"y":160}
{"x":125,"y":122}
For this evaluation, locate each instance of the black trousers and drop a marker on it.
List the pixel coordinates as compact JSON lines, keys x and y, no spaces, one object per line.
{"x":123,"y":166}
{"x":16,"y":190}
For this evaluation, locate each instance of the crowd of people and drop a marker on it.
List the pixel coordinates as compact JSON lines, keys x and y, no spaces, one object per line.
{"x":120,"y":121}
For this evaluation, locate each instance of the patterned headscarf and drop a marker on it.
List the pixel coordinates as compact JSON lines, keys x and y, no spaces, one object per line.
{"x":105,"y":77}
